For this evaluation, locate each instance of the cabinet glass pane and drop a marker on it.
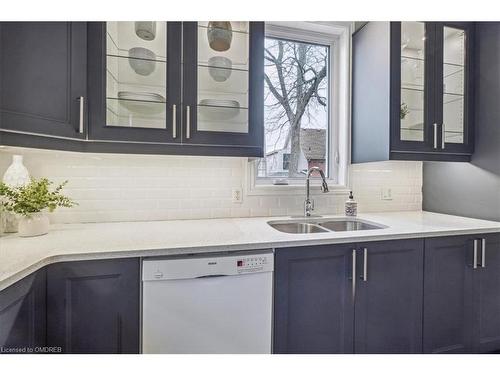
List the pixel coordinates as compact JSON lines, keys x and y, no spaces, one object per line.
{"x":453,"y":84}
{"x":223,"y":49}
{"x":412,"y":81}
{"x":136,"y":75}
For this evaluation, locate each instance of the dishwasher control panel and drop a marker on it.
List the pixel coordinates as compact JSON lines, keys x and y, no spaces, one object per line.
{"x":253,"y":263}
{"x":207,"y":265}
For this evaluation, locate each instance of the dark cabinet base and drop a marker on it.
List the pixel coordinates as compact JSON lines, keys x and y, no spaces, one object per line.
{"x":388,"y":310}
{"x":319,"y":308}
{"x":93,"y":306}
{"x":73,"y":307}
{"x":22,"y":316}
{"x":314,"y":307}
{"x":462,"y":301}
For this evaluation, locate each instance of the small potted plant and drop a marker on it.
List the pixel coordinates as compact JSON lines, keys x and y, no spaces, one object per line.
{"x":31,"y":201}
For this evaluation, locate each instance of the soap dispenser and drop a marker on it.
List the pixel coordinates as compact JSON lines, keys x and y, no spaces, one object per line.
{"x":351,"y":206}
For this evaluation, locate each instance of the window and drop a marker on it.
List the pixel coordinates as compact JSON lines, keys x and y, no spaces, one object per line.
{"x":296,"y":105}
{"x":306,"y":112}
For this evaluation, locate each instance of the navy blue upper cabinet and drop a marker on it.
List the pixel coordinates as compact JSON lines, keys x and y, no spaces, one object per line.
{"x":22,"y":315}
{"x":223,"y":88}
{"x":413,"y":91}
{"x":193,"y":87}
{"x":461,"y":299}
{"x":389,"y":297}
{"x":93,"y":306}
{"x":314,"y":306}
{"x":43,"y":76}
{"x":135,"y":81}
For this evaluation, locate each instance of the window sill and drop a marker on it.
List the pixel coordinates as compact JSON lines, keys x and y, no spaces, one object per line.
{"x":295,"y":189}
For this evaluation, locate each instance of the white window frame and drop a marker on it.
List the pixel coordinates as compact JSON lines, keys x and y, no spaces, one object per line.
{"x":337,"y":35}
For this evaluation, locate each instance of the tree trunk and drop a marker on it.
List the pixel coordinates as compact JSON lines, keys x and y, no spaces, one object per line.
{"x":295,"y":150}
{"x":295,"y":124}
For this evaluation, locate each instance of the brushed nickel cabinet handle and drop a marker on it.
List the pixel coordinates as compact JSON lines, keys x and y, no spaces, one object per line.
{"x":442,"y":136}
{"x":474,"y":257}
{"x":483,"y":252}
{"x":174,"y":121}
{"x":353,"y":273}
{"x":435,"y":135}
{"x":82,"y":110}
{"x":188,"y":122}
{"x":365,"y":264}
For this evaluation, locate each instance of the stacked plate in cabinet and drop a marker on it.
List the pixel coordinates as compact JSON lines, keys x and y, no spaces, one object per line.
{"x":142,"y":102}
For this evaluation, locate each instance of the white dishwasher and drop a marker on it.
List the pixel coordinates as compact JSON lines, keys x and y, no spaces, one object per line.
{"x":208,"y":304}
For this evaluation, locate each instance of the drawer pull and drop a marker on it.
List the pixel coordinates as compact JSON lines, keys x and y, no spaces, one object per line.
{"x":174,"y":121}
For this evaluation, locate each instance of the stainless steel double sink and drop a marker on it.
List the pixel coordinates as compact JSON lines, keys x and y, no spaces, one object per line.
{"x":320,"y":225}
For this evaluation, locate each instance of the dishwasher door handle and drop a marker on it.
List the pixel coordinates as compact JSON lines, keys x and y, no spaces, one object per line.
{"x":210,"y":276}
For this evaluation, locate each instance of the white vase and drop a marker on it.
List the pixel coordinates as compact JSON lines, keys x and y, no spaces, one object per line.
{"x":35,"y":225}
{"x":15,"y":176}
{"x":2,"y":221}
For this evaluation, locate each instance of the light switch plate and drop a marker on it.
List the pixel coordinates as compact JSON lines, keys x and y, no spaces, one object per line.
{"x":386,"y":194}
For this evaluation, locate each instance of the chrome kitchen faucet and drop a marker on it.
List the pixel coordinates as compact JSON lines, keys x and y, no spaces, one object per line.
{"x":309,"y":203}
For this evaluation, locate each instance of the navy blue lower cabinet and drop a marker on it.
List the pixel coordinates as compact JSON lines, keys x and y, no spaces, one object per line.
{"x":314,"y":307}
{"x":487,"y":295}
{"x":389,"y":297}
{"x":448,"y":294}
{"x":22,"y":315}
{"x":319,"y":309}
{"x":93,"y":306}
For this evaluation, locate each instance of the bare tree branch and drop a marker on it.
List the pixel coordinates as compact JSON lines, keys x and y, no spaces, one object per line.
{"x":294,"y":75}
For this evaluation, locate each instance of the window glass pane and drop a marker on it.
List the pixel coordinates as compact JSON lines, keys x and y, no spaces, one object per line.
{"x":453,"y":84}
{"x":412,"y":81}
{"x":296,"y":112}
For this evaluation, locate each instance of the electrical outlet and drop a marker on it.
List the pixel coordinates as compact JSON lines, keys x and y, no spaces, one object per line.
{"x":237,"y":195}
{"x":386,"y":194}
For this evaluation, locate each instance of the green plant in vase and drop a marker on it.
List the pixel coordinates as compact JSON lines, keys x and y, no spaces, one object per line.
{"x":30,"y":201}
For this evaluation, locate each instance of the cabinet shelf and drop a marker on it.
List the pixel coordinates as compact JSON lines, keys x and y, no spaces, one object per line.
{"x":239,"y":30}
{"x":160,"y":60}
{"x":202,"y":65}
{"x":137,"y":100}
{"x":221,"y":106}
{"x":448,"y":97}
{"x":422,"y":60}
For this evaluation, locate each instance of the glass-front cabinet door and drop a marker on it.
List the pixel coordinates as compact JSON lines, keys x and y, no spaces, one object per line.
{"x":431,"y":93}
{"x":412,"y":97}
{"x":139,"y":81}
{"x":223,"y":77}
{"x":453,"y":86}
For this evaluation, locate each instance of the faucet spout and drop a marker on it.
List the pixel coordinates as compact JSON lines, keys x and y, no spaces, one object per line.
{"x":309,"y":203}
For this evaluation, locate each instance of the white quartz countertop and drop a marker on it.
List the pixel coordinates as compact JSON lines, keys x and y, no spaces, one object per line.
{"x":69,"y":242}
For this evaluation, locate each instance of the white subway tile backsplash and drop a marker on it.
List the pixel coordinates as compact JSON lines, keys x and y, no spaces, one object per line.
{"x":111,"y":187}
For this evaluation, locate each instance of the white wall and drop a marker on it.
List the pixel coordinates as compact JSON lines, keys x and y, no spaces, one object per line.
{"x":110,"y":187}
